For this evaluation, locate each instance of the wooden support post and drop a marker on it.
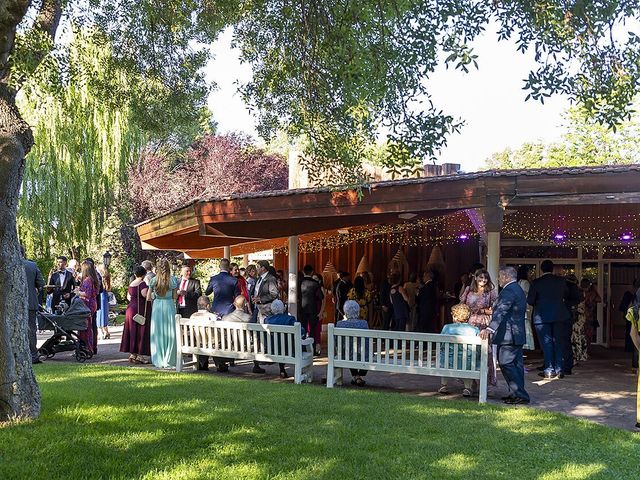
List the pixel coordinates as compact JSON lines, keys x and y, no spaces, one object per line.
{"x":227,"y":252}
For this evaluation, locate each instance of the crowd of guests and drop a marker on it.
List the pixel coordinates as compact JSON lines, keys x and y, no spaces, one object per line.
{"x":68,"y":280}
{"x":252,"y":294}
{"x":559,"y":309}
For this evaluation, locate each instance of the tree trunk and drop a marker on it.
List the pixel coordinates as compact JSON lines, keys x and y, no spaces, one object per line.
{"x":19,"y":392}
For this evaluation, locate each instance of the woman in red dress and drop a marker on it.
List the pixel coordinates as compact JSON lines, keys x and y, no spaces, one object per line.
{"x":88,"y":292}
{"x":242,"y":282}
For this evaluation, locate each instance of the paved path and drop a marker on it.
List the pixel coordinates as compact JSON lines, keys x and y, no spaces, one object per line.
{"x":602,"y":390}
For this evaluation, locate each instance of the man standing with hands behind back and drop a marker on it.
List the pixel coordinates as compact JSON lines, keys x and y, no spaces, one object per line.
{"x":507,"y":327}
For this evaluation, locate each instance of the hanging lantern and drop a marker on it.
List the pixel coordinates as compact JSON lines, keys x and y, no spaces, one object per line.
{"x":399,"y":264}
{"x":363,"y":266}
{"x":329,"y":275}
{"x":436,"y":263}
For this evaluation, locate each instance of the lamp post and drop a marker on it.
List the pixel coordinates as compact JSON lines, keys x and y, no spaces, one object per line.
{"x":106,"y":259}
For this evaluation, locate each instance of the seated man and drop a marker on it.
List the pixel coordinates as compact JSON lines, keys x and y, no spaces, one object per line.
{"x":460,"y":314}
{"x":240,"y":315}
{"x":351,"y":310}
{"x":203,"y":312}
{"x":278,"y":317}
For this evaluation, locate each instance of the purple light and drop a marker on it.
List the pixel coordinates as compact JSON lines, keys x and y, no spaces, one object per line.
{"x":625,"y":237}
{"x":463,"y":236}
{"x":559,"y":237}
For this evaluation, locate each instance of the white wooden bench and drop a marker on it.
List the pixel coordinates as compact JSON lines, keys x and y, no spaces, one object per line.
{"x":407,"y":352}
{"x":244,"y":341}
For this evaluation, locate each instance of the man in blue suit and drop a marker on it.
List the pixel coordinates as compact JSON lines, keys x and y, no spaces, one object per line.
{"x":507,"y":327}
{"x":548,"y":296}
{"x":224,"y":287}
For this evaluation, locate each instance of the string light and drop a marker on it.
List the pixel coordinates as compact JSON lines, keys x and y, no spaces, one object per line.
{"x":440,"y":230}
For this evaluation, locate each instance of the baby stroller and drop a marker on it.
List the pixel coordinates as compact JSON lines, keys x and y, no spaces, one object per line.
{"x":65,"y":324}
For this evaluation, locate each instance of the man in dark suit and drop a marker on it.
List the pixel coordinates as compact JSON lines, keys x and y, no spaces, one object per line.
{"x":572,"y":302}
{"x":310,"y":295}
{"x":507,"y":327}
{"x":341,"y":293}
{"x":189,"y":290}
{"x":34,"y":283}
{"x":61,"y":283}
{"x":264,"y":292}
{"x":224,"y":287}
{"x":385,"y":303}
{"x":548,"y":295}
{"x":427,"y":304}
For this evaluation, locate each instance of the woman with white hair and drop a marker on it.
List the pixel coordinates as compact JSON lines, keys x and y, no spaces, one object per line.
{"x":352,"y":313}
{"x":279,"y":317}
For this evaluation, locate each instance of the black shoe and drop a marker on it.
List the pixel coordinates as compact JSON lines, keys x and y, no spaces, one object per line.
{"x":560,"y":374}
{"x":547,"y":375}
{"x":257,"y":369}
{"x":517,"y":401}
{"x":284,"y":374}
{"x":203,"y":369}
{"x":36,"y":360}
{"x":223,"y":368}
{"x":507,"y":397}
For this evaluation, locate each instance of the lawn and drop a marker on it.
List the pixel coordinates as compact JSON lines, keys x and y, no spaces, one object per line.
{"x":126,"y":423}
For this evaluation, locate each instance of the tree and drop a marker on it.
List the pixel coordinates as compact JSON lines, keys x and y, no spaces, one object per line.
{"x":167,"y":80}
{"x":584,"y":142}
{"x":335,"y":72}
{"x":214,"y":165}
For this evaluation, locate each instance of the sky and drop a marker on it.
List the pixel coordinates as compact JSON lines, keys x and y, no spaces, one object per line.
{"x":490,"y":100}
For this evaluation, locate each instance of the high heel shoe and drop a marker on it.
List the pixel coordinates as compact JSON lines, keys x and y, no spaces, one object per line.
{"x":106,"y":336}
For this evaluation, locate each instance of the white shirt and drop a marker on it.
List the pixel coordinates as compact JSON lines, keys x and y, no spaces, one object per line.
{"x":183,"y":285}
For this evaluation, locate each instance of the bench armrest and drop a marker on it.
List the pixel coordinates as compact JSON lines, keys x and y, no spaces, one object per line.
{"x":307,"y":341}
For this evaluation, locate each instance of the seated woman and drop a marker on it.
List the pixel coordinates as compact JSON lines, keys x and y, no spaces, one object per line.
{"x":352,"y":312}
{"x":279,"y":317}
{"x":461,"y":314}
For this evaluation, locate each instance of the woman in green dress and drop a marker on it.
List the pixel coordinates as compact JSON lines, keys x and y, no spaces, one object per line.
{"x":162,"y":291}
{"x":633,"y":316}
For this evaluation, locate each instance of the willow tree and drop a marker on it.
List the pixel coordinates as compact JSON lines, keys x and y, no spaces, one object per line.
{"x":334,"y":71}
{"x":83,"y":146}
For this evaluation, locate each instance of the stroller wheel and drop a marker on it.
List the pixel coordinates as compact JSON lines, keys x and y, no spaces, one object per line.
{"x":81,"y":356}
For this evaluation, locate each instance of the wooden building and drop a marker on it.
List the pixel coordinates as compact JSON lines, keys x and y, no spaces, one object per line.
{"x":585,"y":218}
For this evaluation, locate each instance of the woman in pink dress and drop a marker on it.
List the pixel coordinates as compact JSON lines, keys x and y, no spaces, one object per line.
{"x":88,"y":292}
{"x":479,"y":297}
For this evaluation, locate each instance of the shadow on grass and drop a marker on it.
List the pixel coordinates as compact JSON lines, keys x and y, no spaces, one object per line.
{"x":101,"y":422}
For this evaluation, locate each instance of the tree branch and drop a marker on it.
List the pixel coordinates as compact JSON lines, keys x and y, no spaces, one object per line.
{"x":49,"y":17}
{"x":11,"y":14}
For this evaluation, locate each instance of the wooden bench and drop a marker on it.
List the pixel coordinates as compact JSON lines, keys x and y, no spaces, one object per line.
{"x":407,"y":352}
{"x":244,"y":341}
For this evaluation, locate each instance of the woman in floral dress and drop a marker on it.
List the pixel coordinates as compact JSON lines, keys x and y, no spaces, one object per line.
{"x":479,"y":297}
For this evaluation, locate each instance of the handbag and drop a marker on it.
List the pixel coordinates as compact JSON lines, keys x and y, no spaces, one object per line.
{"x":140,"y":319}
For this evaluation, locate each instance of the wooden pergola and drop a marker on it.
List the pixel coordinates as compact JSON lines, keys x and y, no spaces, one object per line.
{"x":245,"y":223}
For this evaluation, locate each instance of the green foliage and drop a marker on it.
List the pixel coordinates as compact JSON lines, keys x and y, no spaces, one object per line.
{"x":586,"y":49}
{"x":83,"y":146}
{"x":190,"y":426}
{"x":585,"y":142}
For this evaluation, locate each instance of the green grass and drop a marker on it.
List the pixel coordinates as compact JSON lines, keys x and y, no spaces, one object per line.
{"x":108,"y":422}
